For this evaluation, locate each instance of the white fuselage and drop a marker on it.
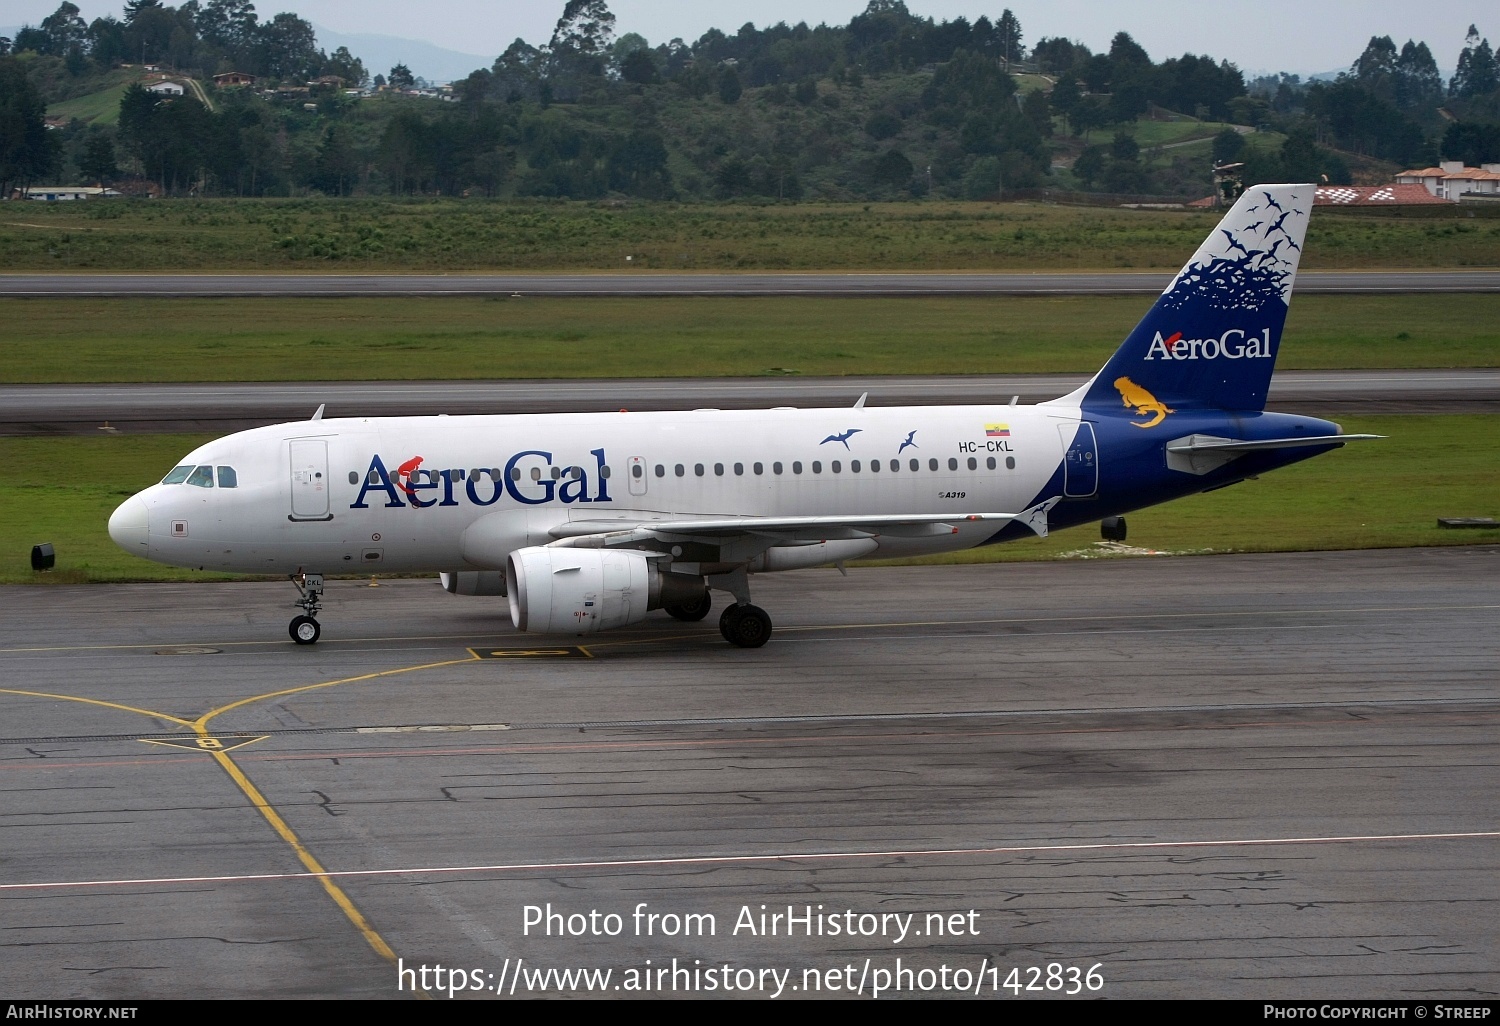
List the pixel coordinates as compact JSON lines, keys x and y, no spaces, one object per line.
{"x":460,"y":493}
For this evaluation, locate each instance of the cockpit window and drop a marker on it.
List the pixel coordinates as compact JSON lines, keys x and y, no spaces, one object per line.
{"x":201,"y":477}
{"x":227,"y":478}
{"x":178,"y":474}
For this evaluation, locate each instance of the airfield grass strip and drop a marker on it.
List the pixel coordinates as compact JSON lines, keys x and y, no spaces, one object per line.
{"x":1366,"y":495}
{"x":450,"y":338}
{"x":333,"y":235}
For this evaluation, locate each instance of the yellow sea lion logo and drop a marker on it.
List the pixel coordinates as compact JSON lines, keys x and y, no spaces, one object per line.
{"x":1143,"y":401}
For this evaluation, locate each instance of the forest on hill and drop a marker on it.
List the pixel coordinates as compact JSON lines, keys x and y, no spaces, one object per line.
{"x":889,"y":106}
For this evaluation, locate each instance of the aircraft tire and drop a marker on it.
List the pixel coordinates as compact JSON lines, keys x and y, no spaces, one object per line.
{"x":745,"y":626}
{"x":692,"y":612}
{"x":304,"y":630}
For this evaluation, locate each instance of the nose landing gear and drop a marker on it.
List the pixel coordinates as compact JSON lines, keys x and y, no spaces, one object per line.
{"x":305,"y":629}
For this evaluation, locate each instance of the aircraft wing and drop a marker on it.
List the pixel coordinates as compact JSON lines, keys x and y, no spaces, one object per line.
{"x":610,"y":533}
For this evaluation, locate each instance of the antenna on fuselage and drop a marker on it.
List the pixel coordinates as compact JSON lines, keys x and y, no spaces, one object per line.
{"x":859,"y":403}
{"x":318,"y":413}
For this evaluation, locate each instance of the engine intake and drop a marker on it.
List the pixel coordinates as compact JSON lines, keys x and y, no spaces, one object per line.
{"x":561,"y":590}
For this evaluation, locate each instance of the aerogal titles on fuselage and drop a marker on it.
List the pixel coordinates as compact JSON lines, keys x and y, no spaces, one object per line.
{"x":420,"y":488}
{"x":1234,"y":344}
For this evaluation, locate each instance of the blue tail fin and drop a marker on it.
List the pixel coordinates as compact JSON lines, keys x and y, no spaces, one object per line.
{"x":1210,"y":342}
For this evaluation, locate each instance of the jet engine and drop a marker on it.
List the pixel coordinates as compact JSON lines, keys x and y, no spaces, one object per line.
{"x":560,"y":590}
{"x":474,"y":582}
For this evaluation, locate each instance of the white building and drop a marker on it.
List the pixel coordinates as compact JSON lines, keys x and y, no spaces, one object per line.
{"x":1451,"y":180}
{"x":166,"y":88}
{"x":61,"y":193}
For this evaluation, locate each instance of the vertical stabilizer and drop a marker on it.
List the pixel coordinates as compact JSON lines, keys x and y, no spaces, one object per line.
{"x":1210,"y":342}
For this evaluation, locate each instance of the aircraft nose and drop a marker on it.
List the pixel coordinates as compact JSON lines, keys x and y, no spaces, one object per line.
{"x":127,"y":526}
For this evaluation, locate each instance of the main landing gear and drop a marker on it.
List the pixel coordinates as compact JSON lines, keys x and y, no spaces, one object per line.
{"x":305,"y":629}
{"x":745,"y":625}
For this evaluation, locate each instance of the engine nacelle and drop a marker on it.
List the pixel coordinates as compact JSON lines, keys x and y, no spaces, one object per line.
{"x":563,"y":590}
{"x":474,"y":582}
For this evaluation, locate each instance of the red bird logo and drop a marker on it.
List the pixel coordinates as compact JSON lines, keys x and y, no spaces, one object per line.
{"x":404,"y":473}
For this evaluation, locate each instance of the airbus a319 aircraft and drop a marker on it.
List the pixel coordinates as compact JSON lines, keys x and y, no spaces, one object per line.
{"x":590,"y":521}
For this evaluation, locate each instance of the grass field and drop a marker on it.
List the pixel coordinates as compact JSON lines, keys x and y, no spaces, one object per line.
{"x":1370,"y":495}
{"x":253,"y":339}
{"x":471,"y":235}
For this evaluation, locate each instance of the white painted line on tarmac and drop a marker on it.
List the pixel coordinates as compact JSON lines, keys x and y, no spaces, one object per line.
{"x":1100,"y":847}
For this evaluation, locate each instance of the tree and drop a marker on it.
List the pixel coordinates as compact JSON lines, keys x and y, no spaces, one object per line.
{"x":65,"y":30}
{"x":639,"y":68}
{"x":1089,"y":165}
{"x":401,"y":78}
{"x":1419,"y":84}
{"x":1008,"y":38}
{"x":289,"y":47}
{"x":892,"y":170}
{"x":97,"y":161}
{"x":581,"y":41}
{"x":729,"y":85}
{"x":347,"y":67}
{"x":1375,"y":69}
{"x":135,"y":8}
{"x":1065,"y":97}
{"x":1476,"y":73}
{"x":1472,"y":142}
{"x":27,"y":150}
{"x":1228,"y":145}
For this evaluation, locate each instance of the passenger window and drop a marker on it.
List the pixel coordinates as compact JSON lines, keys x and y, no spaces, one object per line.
{"x":557,"y":473}
{"x":698,"y":469}
{"x":854,"y":466}
{"x":817,"y":467}
{"x":679,"y":470}
{"x":739,"y":469}
{"x":834,"y":466}
{"x":797,"y":467}
{"x":661,"y":471}
{"x":515,"y":473}
{"x":201,"y":477}
{"x":973,"y":463}
{"x":227,"y":478}
{"x":874,"y":466}
{"x":576,"y":473}
{"x":178,"y":474}
{"x":895,"y":464}
{"x":536,"y":473}
{"x":932,"y":463}
{"x":776,"y":468}
{"x":718,"y":470}
{"x":1010,"y":463}
{"x":916,"y":465}
{"x":990,"y":463}
{"x":759,"y":468}
{"x":635,"y":471}
{"x":952,"y":463}
{"x":603,"y":471}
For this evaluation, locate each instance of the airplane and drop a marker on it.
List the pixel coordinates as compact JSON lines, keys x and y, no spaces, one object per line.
{"x":586,"y":522}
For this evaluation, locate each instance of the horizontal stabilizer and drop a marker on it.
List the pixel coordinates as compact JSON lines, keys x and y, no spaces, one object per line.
{"x":1231,"y":445}
{"x":1199,"y":454}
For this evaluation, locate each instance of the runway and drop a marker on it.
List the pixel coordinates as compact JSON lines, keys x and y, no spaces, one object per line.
{"x":1257,"y":776}
{"x":1042,"y":283}
{"x":82,"y":409}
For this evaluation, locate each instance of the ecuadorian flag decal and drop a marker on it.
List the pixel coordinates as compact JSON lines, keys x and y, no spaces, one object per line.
{"x":997,"y":431}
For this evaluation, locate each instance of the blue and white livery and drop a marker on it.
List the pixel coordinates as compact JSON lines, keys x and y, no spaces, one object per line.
{"x":586,"y":522}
